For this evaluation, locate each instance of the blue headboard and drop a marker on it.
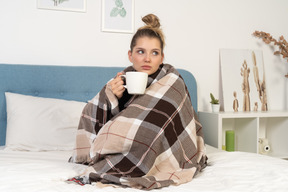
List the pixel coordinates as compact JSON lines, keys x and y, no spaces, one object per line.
{"x":79,"y":83}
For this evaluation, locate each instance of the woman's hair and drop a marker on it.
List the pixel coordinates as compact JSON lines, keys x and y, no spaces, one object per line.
{"x":151,"y":29}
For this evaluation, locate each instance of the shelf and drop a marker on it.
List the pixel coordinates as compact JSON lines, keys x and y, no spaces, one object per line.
{"x":250,"y":114}
{"x":248,"y":127}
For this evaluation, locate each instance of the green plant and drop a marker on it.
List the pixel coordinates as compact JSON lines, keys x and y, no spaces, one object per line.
{"x":213,"y":100}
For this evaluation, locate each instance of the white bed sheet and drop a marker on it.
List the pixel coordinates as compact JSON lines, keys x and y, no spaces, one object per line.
{"x":226,"y":171}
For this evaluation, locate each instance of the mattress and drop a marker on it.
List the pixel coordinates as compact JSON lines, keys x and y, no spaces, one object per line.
{"x":226,"y":171}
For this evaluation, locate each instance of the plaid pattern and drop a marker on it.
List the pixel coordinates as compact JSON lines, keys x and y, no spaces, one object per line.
{"x":155,"y":142}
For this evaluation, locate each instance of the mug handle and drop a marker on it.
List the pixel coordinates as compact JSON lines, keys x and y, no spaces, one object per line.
{"x":125,"y":86}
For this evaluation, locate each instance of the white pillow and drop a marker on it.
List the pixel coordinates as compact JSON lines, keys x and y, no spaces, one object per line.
{"x":41,"y":124}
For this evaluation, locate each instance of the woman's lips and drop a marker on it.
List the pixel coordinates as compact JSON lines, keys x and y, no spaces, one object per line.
{"x":146,"y":67}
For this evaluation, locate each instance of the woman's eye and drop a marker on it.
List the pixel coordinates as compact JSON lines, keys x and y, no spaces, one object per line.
{"x":140,"y":52}
{"x":155,"y":53}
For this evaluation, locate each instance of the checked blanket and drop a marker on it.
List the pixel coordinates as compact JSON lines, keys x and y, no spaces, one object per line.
{"x":154,"y":142}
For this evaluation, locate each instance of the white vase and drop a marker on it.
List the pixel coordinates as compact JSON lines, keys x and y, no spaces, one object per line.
{"x":215,"y":108}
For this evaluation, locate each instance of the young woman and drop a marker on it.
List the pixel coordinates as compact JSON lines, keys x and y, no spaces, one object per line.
{"x":145,"y":141}
{"x":146,"y":51}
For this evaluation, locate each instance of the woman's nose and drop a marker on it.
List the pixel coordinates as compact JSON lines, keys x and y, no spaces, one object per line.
{"x":147,"y":58}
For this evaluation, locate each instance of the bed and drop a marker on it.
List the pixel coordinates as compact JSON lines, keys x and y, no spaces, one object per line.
{"x":35,"y":158}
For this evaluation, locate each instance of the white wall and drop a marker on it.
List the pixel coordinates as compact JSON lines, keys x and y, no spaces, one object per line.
{"x":195,"y":31}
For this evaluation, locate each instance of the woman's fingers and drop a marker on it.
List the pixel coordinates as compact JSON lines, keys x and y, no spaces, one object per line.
{"x":117,"y":86}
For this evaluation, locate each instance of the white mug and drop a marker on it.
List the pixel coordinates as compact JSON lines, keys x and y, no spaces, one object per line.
{"x":136,"y":82}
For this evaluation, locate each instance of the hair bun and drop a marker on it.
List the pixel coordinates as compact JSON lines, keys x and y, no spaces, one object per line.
{"x":151,"y":29}
{"x":151,"y":20}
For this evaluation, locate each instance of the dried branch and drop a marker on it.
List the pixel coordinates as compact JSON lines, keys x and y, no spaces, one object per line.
{"x":282,"y":43}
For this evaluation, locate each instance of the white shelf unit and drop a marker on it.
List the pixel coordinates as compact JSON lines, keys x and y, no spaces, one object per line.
{"x":248,"y":127}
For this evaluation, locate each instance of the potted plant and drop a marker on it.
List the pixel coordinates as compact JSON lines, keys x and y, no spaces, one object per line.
{"x":214,"y":103}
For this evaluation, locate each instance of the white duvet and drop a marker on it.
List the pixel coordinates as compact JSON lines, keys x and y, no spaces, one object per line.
{"x":226,"y":171}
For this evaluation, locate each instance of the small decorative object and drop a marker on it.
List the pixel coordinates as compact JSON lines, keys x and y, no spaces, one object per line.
{"x":214,"y":103}
{"x":235,"y":102}
{"x":264,"y":146}
{"x":260,"y":85}
{"x":230,"y":140}
{"x":282,"y":43}
{"x":245,"y":71}
{"x":255,"y":106}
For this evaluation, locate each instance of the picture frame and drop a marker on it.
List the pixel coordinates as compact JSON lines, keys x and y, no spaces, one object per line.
{"x":62,"y":5}
{"x":118,"y":16}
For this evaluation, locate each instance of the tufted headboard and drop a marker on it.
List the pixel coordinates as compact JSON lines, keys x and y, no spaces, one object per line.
{"x":79,"y":83}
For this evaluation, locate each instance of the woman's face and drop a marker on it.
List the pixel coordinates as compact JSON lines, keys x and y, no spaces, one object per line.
{"x":147,"y":55}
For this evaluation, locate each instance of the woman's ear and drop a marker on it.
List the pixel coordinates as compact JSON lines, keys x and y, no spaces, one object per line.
{"x":162,"y":58}
{"x":130,"y":56}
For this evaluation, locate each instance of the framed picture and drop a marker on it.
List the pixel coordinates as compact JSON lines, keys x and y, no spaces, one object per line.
{"x":118,"y":16}
{"x":243,"y":80}
{"x":63,"y":5}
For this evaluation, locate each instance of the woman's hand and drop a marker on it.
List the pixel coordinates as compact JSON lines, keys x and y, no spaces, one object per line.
{"x":117,"y":85}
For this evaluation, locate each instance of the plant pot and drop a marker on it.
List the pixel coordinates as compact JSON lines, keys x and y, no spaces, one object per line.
{"x":215,"y":108}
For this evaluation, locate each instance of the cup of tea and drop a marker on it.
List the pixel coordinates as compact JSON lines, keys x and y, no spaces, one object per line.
{"x":136,"y":82}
